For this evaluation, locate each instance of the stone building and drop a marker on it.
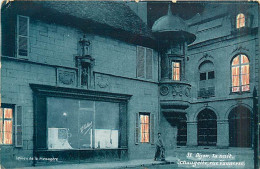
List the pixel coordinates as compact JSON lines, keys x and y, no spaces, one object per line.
{"x":84,"y":81}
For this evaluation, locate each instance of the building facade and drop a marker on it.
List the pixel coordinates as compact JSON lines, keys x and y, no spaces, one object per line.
{"x":89,"y":81}
{"x":217,"y":78}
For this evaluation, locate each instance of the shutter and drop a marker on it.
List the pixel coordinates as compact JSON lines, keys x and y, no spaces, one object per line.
{"x":23,"y":36}
{"x":149,"y":63}
{"x":18,"y":126}
{"x":140,"y":62}
{"x":137,"y":129}
{"x":152,"y":128}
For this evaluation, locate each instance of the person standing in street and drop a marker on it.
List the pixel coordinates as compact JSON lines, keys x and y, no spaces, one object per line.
{"x":160,"y":150}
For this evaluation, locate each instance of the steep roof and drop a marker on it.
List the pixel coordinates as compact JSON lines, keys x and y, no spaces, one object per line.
{"x":113,"y":18}
{"x":115,"y":14}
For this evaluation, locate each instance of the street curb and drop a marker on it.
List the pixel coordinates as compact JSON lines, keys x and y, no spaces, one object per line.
{"x":147,"y":165}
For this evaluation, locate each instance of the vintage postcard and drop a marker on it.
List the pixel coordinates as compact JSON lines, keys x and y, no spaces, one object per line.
{"x":120,"y":84}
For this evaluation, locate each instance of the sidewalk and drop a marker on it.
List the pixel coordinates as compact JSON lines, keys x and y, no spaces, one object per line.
{"x":107,"y":165}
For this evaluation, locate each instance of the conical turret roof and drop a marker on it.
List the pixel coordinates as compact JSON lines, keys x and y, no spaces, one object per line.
{"x":172,"y":27}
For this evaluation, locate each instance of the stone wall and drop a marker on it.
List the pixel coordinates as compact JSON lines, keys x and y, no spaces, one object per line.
{"x":54,"y":46}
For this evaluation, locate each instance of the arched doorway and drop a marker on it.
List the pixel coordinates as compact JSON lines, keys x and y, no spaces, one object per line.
{"x":207,"y":128}
{"x":239,"y":127}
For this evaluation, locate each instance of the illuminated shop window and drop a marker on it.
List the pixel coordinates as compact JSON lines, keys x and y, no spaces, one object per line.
{"x":82,"y":124}
{"x":144,"y":128}
{"x":6,"y":126}
{"x":240,"y":20}
{"x":240,"y":73}
{"x":176,"y":70}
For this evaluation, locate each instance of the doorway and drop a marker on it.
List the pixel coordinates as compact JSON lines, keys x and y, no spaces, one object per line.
{"x":207,"y":128}
{"x":240,"y":127}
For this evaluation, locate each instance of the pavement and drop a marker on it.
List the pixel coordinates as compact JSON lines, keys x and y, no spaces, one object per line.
{"x":213,"y":158}
{"x":108,"y":165}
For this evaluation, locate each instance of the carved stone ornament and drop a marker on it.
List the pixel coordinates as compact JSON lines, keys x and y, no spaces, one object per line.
{"x":164,"y":90}
{"x":102,"y":81}
{"x":240,"y":49}
{"x":66,"y":77}
{"x":206,"y":57}
{"x":187,"y":91}
{"x":177,"y":90}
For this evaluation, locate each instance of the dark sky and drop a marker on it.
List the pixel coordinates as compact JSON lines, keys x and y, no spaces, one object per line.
{"x":185,"y":10}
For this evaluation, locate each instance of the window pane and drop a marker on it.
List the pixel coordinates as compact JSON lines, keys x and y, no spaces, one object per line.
{"x":144,"y":128}
{"x":244,"y":59}
{"x":1,"y":133}
{"x":8,"y":113}
{"x":146,"y":139}
{"x":245,"y":79}
{"x":240,"y":20}
{"x":106,"y":125}
{"x":106,"y":138}
{"x":1,"y":113}
{"x":245,"y":88}
{"x":141,"y":119}
{"x":70,"y":124}
{"x":145,"y":119}
{"x":202,"y":76}
{"x":235,"y":80}
{"x":211,"y":75}
{"x":61,"y":116}
{"x":176,"y":71}
{"x":245,"y":69}
{"x":23,"y":46}
{"x":235,"y":61}
{"x":1,"y":125}
{"x":235,"y":89}
{"x":142,"y":137}
{"x":23,"y":26}
{"x":107,"y":115}
{"x":176,"y":75}
{"x":149,"y":63}
{"x":8,"y":131}
{"x":176,"y":64}
{"x":140,"y":61}
{"x":1,"y":137}
{"x":235,"y":71}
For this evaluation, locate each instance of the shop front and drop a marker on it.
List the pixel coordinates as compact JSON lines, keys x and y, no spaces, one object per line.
{"x":77,"y":124}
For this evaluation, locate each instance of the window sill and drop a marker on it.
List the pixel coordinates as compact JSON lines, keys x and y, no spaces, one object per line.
{"x":139,"y":143}
{"x":144,"y":79}
{"x":243,"y":30}
{"x":206,"y":97}
{"x":96,"y":149}
{"x":239,"y":93}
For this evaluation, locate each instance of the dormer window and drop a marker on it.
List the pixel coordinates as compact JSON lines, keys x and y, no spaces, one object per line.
{"x":240,"y":21}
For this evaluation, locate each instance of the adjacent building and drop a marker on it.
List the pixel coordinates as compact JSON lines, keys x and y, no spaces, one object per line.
{"x":93,"y":81}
